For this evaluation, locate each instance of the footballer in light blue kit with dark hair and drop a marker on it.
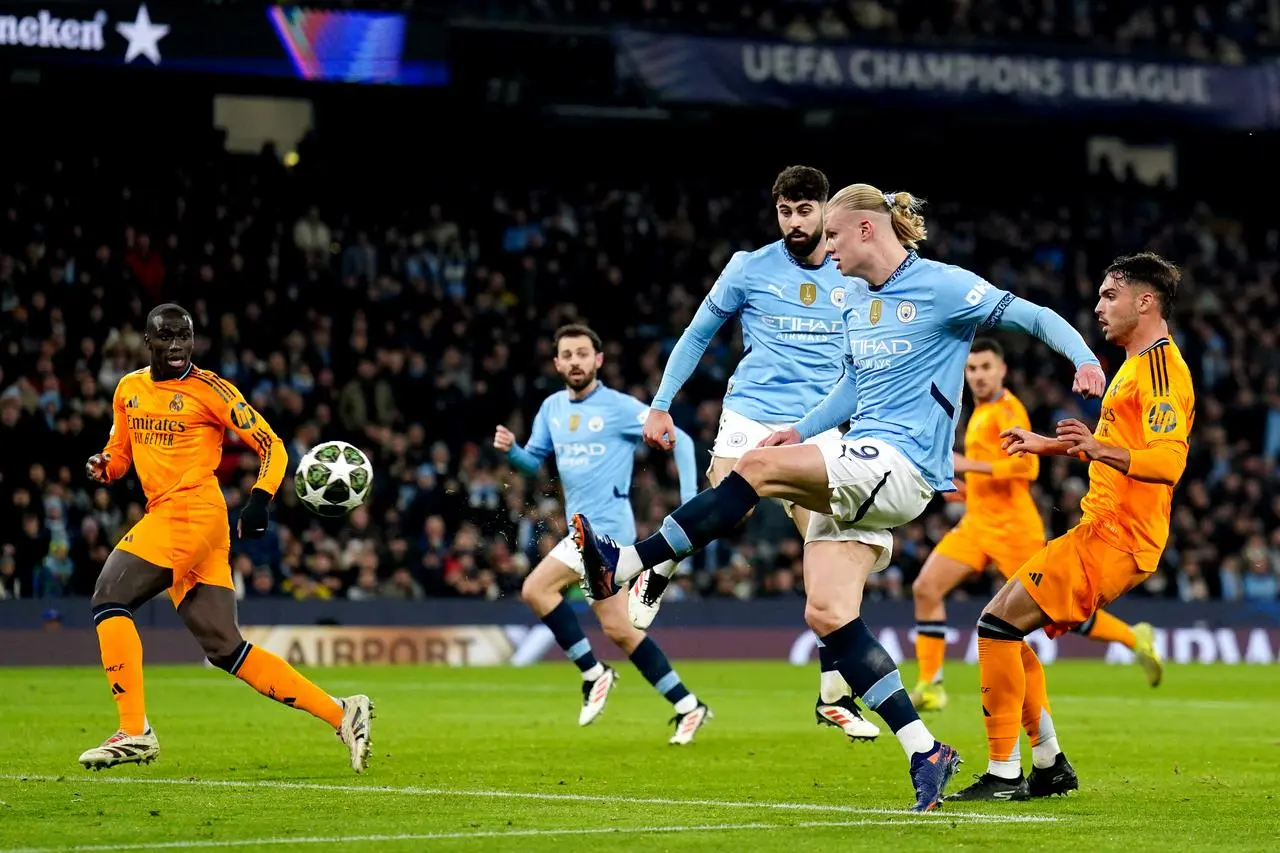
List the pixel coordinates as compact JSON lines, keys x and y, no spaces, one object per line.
{"x":908,"y":327}
{"x":593,"y":432}
{"x":789,"y":298}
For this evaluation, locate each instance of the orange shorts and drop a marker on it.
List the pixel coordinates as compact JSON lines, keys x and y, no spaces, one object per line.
{"x":1076,"y":575}
{"x":189,"y":534}
{"x":979,"y":549}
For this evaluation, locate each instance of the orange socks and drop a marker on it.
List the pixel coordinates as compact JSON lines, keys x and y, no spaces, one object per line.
{"x":122,"y":661}
{"x":931,"y":648}
{"x":1004,"y":684}
{"x":274,"y":678}
{"x":269,"y":675}
{"x":1108,"y":629}
{"x":1035,"y":704}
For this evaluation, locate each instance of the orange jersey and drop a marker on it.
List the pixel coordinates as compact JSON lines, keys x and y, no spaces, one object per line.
{"x":172,"y":432}
{"x":1002,"y":499}
{"x":1149,"y":409}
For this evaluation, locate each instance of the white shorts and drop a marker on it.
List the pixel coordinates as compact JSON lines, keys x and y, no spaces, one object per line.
{"x":738,"y":434}
{"x":874,"y":489}
{"x":567,"y":552}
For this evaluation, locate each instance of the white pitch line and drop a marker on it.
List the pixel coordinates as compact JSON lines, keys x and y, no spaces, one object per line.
{"x":412,"y":790}
{"x":438,"y":836}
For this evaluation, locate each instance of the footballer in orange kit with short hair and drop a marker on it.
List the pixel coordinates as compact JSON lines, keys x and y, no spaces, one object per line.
{"x":170,"y":421}
{"x":1137,"y":454}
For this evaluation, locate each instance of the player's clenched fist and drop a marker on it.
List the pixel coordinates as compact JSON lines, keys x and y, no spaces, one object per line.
{"x":1090,"y":381}
{"x":96,"y":467}
{"x":503,"y":439}
{"x":659,"y":430}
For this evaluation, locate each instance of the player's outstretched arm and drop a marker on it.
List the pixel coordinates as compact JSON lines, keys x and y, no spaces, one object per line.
{"x":839,"y":405}
{"x":1017,"y":441}
{"x":114,"y":460}
{"x":726,"y":298}
{"x":688,"y":352}
{"x":1020,"y":315}
{"x":235,"y":413}
{"x":1162,"y":461}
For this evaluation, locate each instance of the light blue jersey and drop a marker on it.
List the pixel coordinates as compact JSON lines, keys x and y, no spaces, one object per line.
{"x":792,"y":329}
{"x":904,"y":366}
{"x":594,"y":440}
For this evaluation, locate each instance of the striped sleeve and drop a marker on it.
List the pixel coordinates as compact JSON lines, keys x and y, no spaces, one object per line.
{"x":241,"y":418}
{"x":1167,"y":405}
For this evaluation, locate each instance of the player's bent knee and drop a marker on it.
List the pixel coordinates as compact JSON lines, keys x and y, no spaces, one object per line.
{"x":230,"y":659}
{"x":218,"y":640}
{"x":542,"y":588}
{"x":927,"y":590}
{"x":755,"y":467}
{"x":822,"y":618}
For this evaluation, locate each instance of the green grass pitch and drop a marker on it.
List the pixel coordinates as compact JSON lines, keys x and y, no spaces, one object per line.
{"x":493,"y":760}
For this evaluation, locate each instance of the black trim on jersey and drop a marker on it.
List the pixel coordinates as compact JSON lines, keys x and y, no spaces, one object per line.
{"x":1159,"y":369}
{"x":910,"y":259}
{"x":1160,"y":343}
{"x":941,"y":399}
{"x":717,"y":310}
{"x":997,"y":314}
{"x":217,"y":389}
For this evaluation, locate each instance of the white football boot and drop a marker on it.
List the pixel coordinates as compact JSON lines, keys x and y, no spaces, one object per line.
{"x":687,"y":725}
{"x":121,"y":748}
{"x":356,"y":728}
{"x":595,"y":694}
{"x":844,"y":715}
{"x":645,"y":597}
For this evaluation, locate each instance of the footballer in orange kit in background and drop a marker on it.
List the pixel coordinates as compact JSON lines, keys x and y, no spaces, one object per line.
{"x":1001,"y":527}
{"x":1137,"y":454}
{"x":170,"y":421}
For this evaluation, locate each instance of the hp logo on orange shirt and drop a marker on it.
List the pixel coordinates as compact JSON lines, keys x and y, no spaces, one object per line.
{"x":243,"y":416}
{"x":1161,"y":418}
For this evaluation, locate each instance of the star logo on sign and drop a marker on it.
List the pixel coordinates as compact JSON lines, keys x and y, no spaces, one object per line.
{"x":143,"y":37}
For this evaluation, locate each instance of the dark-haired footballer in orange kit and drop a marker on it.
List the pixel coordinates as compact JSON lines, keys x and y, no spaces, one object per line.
{"x":1137,"y":454}
{"x":170,"y":421}
{"x":1001,"y":527}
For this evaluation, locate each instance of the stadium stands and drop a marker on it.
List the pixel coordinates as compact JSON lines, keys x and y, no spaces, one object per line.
{"x":413,"y":335}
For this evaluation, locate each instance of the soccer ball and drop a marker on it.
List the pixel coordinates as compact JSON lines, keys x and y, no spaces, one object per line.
{"x":333,"y":478}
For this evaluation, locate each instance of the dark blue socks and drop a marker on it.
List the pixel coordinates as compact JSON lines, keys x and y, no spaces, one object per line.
{"x":700,"y":521}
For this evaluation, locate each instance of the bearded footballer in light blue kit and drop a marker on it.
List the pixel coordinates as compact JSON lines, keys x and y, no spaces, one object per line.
{"x":593,"y":432}
{"x":789,"y":298}
{"x":909,"y":327}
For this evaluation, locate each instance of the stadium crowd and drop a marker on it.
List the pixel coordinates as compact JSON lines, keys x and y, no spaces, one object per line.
{"x":412,"y":337}
{"x":1221,"y":32}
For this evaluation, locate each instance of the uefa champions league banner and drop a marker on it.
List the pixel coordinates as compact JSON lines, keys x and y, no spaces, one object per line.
{"x":703,"y":69}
